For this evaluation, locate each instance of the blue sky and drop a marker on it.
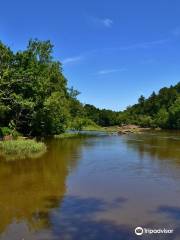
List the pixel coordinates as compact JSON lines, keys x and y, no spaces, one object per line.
{"x":112,"y":51}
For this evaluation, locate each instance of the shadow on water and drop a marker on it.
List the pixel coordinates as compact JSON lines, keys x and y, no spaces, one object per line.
{"x":76,"y":219}
{"x":170,"y":211}
{"x":173,"y":214}
{"x":35,"y":203}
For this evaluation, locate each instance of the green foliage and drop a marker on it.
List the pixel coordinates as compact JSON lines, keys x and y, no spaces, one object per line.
{"x":84,"y":123}
{"x":174,"y":114}
{"x":92,"y":126}
{"x":162,"y":118}
{"x":35,"y":99}
{"x":33,"y":90}
{"x":6,"y":131}
{"x":145,"y":121}
{"x":159,"y":110}
{"x":102,"y":117}
{"x":78,"y":123}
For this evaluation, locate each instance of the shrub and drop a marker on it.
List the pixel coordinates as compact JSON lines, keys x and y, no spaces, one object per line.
{"x":6,"y":131}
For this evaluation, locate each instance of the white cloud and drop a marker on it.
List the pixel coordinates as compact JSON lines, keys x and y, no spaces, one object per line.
{"x":72,"y":59}
{"x":140,"y":45}
{"x":107,"y":22}
{"x":108,"y":71}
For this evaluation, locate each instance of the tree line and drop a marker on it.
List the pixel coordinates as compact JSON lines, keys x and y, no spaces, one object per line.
{"x":159,"y":110}
{"x":35,"y":98}
{"x":34,"y":94}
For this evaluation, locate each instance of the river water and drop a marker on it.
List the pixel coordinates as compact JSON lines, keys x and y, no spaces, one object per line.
{"x":94,"y":188}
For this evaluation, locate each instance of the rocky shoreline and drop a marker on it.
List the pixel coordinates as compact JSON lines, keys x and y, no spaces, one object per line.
{"x":126,"y":129}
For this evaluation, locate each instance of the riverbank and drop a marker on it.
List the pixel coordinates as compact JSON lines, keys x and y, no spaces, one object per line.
{"x":80,"y":134}
{"x":93,"y":128}
{"x":109,"y":129}
{"x":29,"y":148}
{"x":86,"y":132}
{"x":70,"y":135}
{"x":126,"y":129}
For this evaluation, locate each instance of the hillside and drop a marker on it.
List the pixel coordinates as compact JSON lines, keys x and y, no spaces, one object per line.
{"x":161,"y":109}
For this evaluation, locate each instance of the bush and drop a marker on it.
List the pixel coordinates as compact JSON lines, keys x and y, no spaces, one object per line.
{"x":78,"y":123}
{"x":6,"y":131}
{"x":162,"y":118}
{"x":145,"y":121}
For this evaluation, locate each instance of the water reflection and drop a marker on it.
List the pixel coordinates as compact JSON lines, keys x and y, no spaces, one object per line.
{"x":95,"y":188}
{"x":27,"y":187}
{"x":158,"y":145}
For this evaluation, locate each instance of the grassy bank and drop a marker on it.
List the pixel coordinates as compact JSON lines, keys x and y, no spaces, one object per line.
{"x":73,"y":135}
{"x":93,"y":128}
{"x":101,"y":129}
{"x":67,"y":135}
{"x":19,"y":149}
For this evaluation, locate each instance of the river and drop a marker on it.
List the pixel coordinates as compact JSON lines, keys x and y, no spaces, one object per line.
{"x":94,"y":188}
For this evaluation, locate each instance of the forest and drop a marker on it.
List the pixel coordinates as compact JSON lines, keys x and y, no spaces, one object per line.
{"x":159,"y":110}
{"x":35,"y":99}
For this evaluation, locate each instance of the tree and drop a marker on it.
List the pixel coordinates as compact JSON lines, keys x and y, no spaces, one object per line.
{"x":159,"y":110}
{"x":75,"y":107}
{"x":174,"y":114}
{"x":33,"y":90}
{"x":162,"y":118}
{"x":78,"y":123}
{"x":141,"y":100}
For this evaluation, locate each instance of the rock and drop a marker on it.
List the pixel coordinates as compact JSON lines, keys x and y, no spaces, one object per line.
{"x":126,"y":129}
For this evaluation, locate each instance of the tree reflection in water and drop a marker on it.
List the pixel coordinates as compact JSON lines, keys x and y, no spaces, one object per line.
{"x":27,"y":186}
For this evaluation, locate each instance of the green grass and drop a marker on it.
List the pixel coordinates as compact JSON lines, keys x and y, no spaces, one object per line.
{"x":77,"y":134}
{"x":67,"y":135}
{"x":18,"y":149}
{"x":93,"y":128}
{"x":72,"y":135}
{"x":110,"y":129}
